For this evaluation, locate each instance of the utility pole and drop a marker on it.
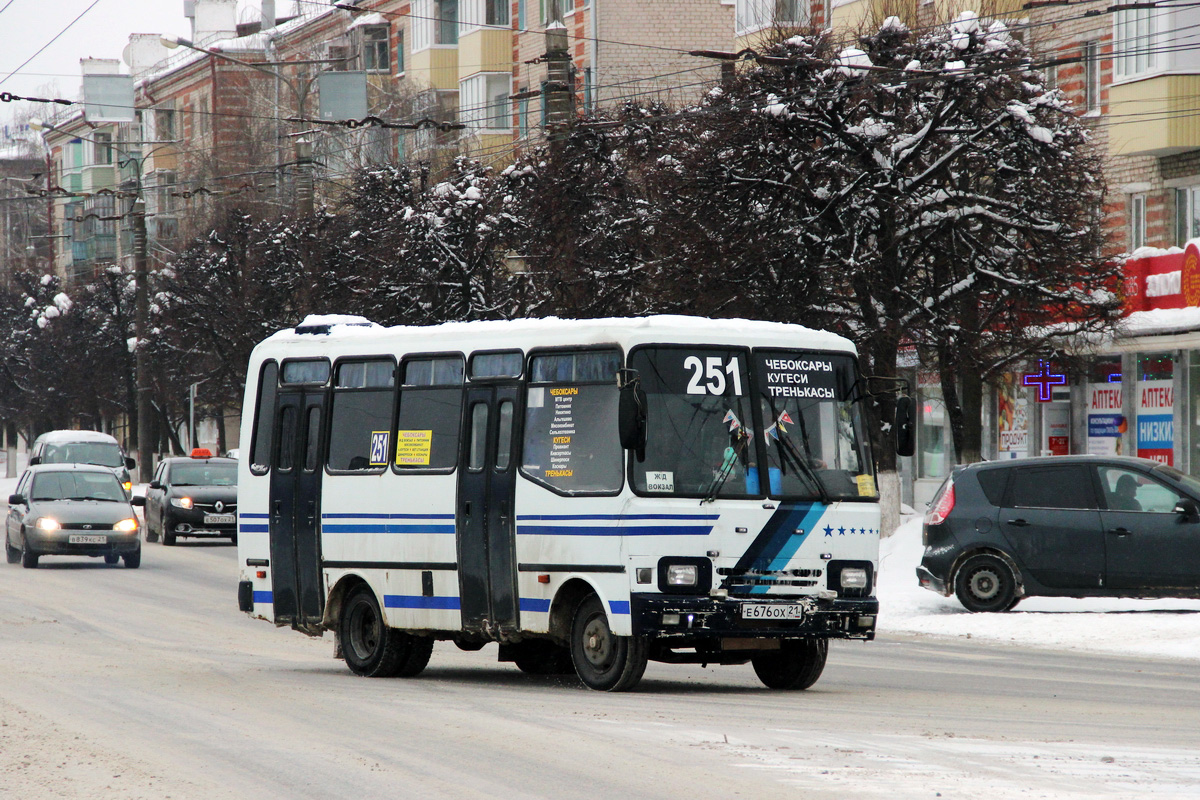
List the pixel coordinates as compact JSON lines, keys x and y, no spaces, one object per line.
{"x":560,"y":93}
{"x":141,"y":318}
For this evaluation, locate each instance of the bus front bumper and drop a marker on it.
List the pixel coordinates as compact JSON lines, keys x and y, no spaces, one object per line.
{"x":660,"y":616}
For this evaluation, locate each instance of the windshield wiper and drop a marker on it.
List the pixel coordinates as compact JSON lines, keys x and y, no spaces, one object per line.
{"x":788,"y":451}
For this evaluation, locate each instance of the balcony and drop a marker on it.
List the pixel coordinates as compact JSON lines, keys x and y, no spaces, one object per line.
{"x":1155,"y":116}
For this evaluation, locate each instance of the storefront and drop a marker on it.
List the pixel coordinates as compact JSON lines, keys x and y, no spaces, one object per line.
{"x":1137,"y":394}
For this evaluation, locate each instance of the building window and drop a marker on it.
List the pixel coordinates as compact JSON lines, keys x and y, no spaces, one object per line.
{"x":164,"y":124}
{"x":477,"y":13}
{"x":755,"y":15}
{"x":1091,"y":76}
{"x":1137,"y":221}
{"x":484,"y":103}
{"x":167,"y":192}
{"x":375,"y":48}
{"x":400,"y":52}
{"x":1051,"y":73}
{"x":521,"y":15}
{"x":103,"y":149}
{"x":1187,"y":214}
{"x":565,"y":7}
{"x":1135,"y":41}
{"x":523,"y":117}
{"x":434,"y":22}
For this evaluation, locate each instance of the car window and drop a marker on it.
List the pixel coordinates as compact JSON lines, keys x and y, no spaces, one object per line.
{"x":1130,"y":490}
{"x":993,"y":481}
{"x":204,"y":474}
{"x":77,"y":486}
{"x":1050,"y":487}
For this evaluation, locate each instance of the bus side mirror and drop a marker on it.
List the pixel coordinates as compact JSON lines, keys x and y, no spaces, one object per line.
{"x":631,"y":418}
{"x":906,"y":443}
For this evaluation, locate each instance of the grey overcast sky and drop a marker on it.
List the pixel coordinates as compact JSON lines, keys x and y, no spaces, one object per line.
{"x":28,"y":25}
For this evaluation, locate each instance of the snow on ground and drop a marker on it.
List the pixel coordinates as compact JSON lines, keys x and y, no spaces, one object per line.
{"x":1168,"y":628}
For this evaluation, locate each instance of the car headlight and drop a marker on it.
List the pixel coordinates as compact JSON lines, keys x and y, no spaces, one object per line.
{"x":181,"y":502}
{"x":854,"y":578}
{"x":129,"y":525}
{"x":48,"y":524}
{"x":682,"y":575}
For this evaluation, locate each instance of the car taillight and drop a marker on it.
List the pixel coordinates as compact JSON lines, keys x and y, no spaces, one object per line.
{"x":942,"y":508}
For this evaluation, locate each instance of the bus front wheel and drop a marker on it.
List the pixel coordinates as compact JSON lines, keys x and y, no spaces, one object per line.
{"x":373,"y":649}
{"x":796,"y":665}
{"x":604,"y":661}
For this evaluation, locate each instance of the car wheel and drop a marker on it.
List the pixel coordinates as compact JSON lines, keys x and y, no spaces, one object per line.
{"x":151,"y":534}
{"x":604,"y":661}
{"x":111,"y":558}
{"x":796,"y":665}
{"x":133,"y":560}
{"x":985,"y":583}
{"x":369,"y":646}
{"x":542,"y":657}
{"x":29,"y":559}
{"x":168,"y":539}
{"x":11,"y":553}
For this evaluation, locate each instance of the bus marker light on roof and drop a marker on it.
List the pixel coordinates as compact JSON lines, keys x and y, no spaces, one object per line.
{"x":201,"y":452}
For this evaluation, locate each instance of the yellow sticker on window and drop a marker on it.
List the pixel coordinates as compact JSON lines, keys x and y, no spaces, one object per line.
{"x":866,"y":485}
{"x":412,"y":448}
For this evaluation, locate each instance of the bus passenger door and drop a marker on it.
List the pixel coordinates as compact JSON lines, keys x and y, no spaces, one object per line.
{"x":485,"y":516}
{"x":295,"y":509}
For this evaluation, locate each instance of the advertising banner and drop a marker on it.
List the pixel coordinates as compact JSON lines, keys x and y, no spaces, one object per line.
{"x":1105,"y":422}
{"x":1156,"y":420}
{"x":1012,"y":418}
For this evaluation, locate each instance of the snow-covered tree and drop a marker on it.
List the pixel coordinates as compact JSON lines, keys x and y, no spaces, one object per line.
{"x":919,"y":190}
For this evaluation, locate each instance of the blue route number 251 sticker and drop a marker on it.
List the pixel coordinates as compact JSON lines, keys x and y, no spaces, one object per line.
{"x":379,"y":448}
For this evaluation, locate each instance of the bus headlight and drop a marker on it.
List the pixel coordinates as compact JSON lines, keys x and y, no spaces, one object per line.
{"x":854,"y":578}
{"x":682,"y":575}
{"x":48,"y":524}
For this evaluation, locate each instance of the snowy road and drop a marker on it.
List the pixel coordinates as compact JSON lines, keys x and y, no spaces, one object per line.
{"x":117,"y":683}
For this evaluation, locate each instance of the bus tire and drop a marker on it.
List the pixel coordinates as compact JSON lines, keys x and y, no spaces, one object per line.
{"x":419,"y":648}
{"x":604,"y":661}
{"x":796,"y":665}
{"x":370,"y":647}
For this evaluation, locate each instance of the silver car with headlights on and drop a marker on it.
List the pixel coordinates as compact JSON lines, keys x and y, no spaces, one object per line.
{"x":72,"y":510}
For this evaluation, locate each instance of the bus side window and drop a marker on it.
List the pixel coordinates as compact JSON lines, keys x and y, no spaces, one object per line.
{"x":361,"y":415}
{"x":479,"y":420}
{"x":264,"y":418}
{"x":430,"y":414}
{"x":287,"y":439}
{"x":312,"y":440}
{"x":571,"y":445}
{"x":504,"y":436}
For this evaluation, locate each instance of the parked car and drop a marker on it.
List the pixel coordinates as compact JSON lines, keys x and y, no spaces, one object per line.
{"x":192,"y":496}
{"x":71,"y":510}
{"x":1066,"y":526}
{"x":83,"y":447}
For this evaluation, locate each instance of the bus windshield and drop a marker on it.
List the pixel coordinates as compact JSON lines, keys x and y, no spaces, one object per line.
{"x":716,"y":414}
{"x":812,"y":426}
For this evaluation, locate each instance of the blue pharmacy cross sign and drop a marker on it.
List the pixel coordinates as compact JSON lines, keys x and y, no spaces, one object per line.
{"x":1044,"y":380}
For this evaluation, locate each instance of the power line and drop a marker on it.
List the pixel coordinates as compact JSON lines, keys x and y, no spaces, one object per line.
{"x":52,"y":41}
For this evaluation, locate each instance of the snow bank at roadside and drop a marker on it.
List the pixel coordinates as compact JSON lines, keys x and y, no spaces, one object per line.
{"x":1169,"y":628}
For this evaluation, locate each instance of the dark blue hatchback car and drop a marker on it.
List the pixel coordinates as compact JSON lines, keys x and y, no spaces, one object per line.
{"x":1068,"y":526}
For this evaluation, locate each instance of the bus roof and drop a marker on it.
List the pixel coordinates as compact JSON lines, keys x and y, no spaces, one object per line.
{"x":357,"y":335}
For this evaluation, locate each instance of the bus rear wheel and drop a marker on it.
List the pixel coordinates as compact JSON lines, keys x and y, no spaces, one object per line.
{"x":604,"y":661}
{"x":796,"y":665}
{"x":371,"y":648}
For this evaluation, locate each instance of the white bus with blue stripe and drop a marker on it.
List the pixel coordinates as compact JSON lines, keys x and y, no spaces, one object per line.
{"x":590,"y":495}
